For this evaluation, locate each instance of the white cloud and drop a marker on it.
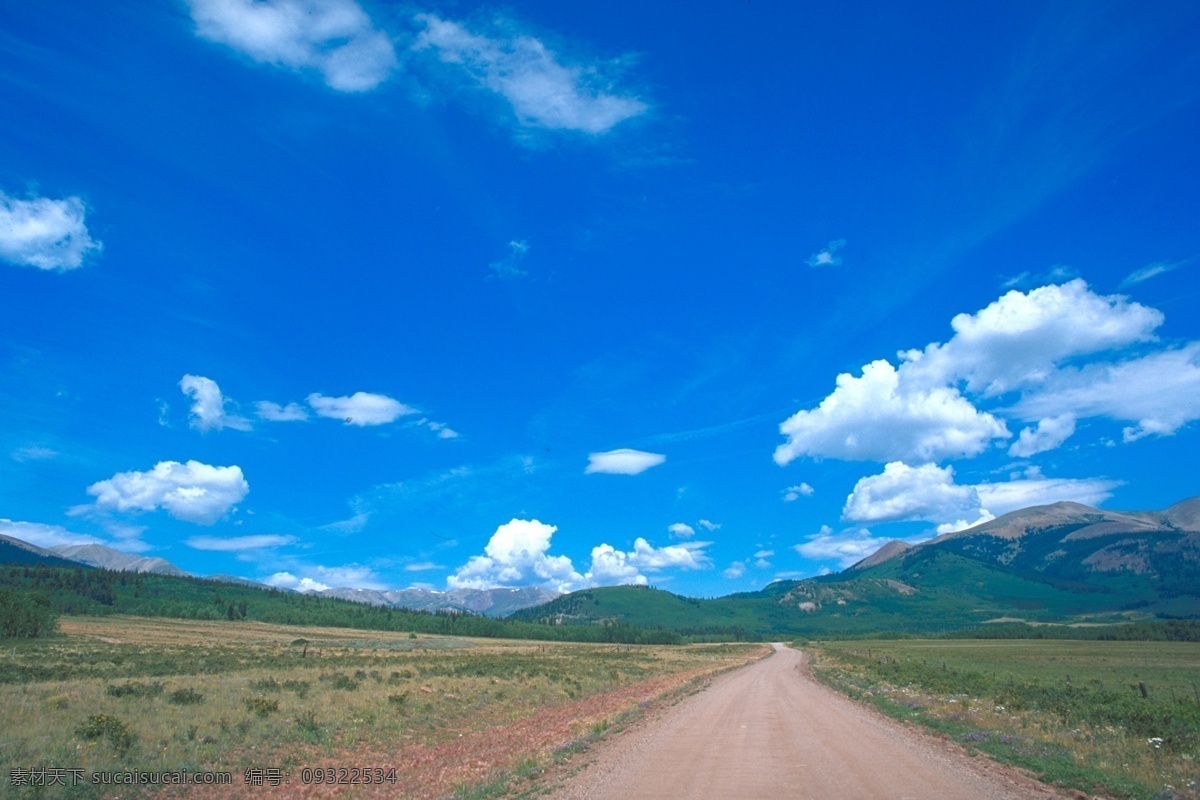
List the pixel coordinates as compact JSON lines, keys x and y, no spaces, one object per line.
{"x":352,"y":525}
{"x":846,"y":547}
{"x":680,"y":530}
{"x":881,"y":417}
{"x":208,"y":405}
{"x":440,"y":428}
{"x":1019,"y":339}
{"x":612,"y":567}
{"x":516,"y":556}
{"x":360,"y":408}
{"x":1050,"y":433}
{"x":688,"y":555}
{"x":333,"y":37}
{"x":542,"y":91}
{"x":236,"y":544}
{"x":1150,"y":271}
{"x":273,"y":412}
{"x":1003,"y":497}
{"x":44,"y":233}
{"x":831,"y":256}
{"x":318,"y":578}
{"x":709,"y":526}
{"x":286,"y":580}
{"x":422,"y":566}
{"x":193,"y":492}
{"x":33,"y":452}
{"x":735,"y":570}
{"x":1159,"y":392}
{"x":36,"y":533}
{"x":1025,"y":342}
{"x":793,"y":493}
{"x":930,"y":493}
{"x":760,"y":558}
{"x":509,"y":268}
{"x":622,"y":462}
{"x":902,"y":492}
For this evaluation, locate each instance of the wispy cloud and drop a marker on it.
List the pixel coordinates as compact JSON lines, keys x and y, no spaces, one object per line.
{"x":208,"y":411}
{"x":793,"y":493}
{"x":831,"y":256}
{"x":509,"y":267}
{"x":542,"y":91}
{"x":237,"y":544}
{"x":333,"y":37}
{"x":1150,"y":271}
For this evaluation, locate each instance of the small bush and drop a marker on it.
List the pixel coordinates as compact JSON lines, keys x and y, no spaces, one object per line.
{"x":185,"y":697}
{"x":135,"y":689}
{"x":263,"y":706}
{"x":267,"y":685}
{"x":400,"y":701}
{"x":105,"y":726}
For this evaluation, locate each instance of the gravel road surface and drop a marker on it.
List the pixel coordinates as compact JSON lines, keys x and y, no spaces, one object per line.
{"x":770,"y":730}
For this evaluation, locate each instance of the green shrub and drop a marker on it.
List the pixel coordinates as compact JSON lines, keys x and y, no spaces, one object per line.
{"x":263,"y":706}
{"x":134,"y":689}
{"x":185,"y":697}
{"x":105,"y":726}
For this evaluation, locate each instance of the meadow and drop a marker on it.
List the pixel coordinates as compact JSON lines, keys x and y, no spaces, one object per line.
{"x":1114,"y":718}
{"x":328,"y":711}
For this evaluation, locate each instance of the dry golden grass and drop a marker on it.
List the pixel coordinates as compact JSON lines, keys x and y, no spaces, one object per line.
{"x":354,"y":698}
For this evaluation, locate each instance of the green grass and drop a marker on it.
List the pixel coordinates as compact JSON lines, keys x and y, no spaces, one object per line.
{"x":1071,"y":711}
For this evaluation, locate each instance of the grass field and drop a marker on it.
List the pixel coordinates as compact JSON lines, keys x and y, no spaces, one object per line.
{"x":444,"y":713}
{"x":1073,"y":712}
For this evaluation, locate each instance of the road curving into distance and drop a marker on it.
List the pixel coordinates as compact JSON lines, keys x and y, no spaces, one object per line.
{"x":770,"y":730}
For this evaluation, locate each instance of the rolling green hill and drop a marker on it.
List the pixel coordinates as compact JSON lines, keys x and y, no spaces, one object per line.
{"x":1060,"y":563}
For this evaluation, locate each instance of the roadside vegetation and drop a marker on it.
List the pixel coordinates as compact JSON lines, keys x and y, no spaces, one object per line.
{"x":126,"y":693}
{"x":1114,"y":718}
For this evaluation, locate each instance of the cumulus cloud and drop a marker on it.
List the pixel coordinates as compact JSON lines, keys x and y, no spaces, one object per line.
{"x":846,"y":547}
{"x":1019,"y":339}
{"x":1049,"y":434}
{"x":286,"y":580}
{"x":680,"y":530}
{"x":880,"y":416}
{"x":1158,"y":392}
{"x":622,"y":462}
{"x":208,"y":405}
{"x":518,"y":555}
{"x":334,"y":37}
{"x":236,"y":544}
{"x":760,"y":558}
{"x":542,"y":91}
{"x":193,"y":492}
{"x":930,"y":493}
{"x":735,"y":570}
{"x":44,"y":233}
{"x":318,"y":578}
{"x":902,"y":492}
{"x":36,"y":533}
{"x":273,"y":412}
{"x":360,"y":408}
{"x":794,"y":493}
{"x":831,"y":256}
{"x":929,"y":408}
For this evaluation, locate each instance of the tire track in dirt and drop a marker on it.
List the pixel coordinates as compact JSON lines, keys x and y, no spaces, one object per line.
{"x":771,"y":730}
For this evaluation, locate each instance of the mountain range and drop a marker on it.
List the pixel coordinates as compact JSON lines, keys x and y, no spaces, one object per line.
{"x":1058,"y":563}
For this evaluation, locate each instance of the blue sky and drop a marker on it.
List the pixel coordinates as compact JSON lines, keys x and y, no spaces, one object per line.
{"x":325,"y":292}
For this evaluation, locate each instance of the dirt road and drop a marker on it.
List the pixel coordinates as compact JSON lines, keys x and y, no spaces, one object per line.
{"x":769,"y":731}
